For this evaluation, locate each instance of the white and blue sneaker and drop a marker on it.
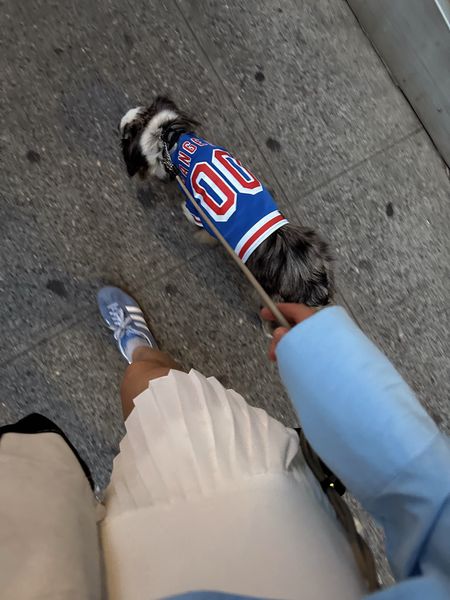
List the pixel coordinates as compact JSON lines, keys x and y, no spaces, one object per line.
{"x":123,"y":316}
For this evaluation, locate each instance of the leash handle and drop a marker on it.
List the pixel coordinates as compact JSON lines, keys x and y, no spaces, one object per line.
{"x":264,"y":296}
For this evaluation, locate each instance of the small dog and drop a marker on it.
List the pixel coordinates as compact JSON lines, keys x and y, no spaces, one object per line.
{"x":291,"y":262}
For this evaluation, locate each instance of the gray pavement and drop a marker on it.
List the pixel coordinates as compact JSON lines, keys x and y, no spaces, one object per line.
{"x":292,"y":88}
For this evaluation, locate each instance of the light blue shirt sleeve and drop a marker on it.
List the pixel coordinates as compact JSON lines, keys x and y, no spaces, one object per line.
{"x":366,"y":424}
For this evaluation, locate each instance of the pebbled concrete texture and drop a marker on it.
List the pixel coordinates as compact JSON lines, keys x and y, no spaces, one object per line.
{"x":308,"y":77}
{"x":297,"y":92}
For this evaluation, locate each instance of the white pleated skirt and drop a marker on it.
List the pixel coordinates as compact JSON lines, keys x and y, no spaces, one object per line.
{"x":209,"y":493}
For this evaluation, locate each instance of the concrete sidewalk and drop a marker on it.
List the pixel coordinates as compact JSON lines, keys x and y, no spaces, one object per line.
{"x":292,"y":88}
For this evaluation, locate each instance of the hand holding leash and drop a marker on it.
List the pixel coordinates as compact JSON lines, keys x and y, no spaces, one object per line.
{"x":295,"y":313}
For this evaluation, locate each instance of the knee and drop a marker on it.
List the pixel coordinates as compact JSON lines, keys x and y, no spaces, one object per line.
{"x":147,"y":364}
{"x":138,"y":375}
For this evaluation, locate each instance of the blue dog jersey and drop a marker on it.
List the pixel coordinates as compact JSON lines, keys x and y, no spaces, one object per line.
{"x":241,"y":207}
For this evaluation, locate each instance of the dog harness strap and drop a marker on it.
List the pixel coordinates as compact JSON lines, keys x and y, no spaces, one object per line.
{"x":170,"y":135}
{"x":240,"y":206}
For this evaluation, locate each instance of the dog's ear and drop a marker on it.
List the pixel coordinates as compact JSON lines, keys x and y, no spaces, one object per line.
{"x":135,"y":160}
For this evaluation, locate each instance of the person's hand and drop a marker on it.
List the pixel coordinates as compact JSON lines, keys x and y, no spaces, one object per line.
{"x":294,"y":313}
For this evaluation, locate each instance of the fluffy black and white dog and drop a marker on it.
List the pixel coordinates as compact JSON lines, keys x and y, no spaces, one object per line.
{"x":292,"y":263}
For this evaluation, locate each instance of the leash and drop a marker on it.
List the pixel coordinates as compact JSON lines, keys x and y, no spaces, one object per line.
{"x":329,"y":483}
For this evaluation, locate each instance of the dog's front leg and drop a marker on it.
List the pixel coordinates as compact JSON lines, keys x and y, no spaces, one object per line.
{"x":201,"y":235}
{"x":189,"y":216}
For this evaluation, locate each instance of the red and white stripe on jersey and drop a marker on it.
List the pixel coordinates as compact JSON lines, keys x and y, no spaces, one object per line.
{"x":258,"y":233}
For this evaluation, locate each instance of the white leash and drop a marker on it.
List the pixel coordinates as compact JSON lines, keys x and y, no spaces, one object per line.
{"x":361,"y":551}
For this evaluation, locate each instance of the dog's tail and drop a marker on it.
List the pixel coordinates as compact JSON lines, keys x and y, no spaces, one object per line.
{"x":295,"y":264}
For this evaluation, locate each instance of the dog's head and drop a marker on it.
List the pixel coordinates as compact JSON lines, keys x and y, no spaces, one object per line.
{"x":142,"y":130}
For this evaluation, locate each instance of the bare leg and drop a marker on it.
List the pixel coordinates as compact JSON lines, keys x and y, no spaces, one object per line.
{"x":148,"y":364}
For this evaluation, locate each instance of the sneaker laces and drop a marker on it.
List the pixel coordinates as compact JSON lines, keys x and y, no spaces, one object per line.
{"x":120,"y":321}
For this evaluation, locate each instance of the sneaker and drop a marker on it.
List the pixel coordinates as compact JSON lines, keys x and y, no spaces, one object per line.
{"x":122,"y":315}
